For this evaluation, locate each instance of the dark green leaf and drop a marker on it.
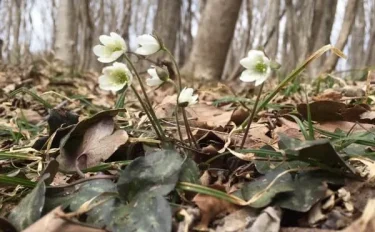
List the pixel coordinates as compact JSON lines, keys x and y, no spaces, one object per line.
{"x":30,"y":208}
{"x":283,"y":184}
{"x":147,"y":212}
{"x":189,"y":172}
{"x":308,"y":190}
{"x":157,"y":172}
{"x":321,"y":152}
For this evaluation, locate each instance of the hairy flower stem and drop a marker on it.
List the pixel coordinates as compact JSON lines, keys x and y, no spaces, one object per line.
{"x":187,"y":127}
{"x":152,"y":115}
{"x":251,"y":116}
{"x":147,"y":112}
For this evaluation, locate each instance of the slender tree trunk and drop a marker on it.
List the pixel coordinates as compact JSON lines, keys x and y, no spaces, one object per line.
{"x":88,"y":32}
{"x":167,"y":22}
{"x":16,"y":49}
{"x":370,"y":57}
{"x":215,"y":32}
{"x":65,"y":32}
{"x":272,"y":24}
{"x":351,"y":8}
{"x":357,"y":40}
{"x":127,"y":7}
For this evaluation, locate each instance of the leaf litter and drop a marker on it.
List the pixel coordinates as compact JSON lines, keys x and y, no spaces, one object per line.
{"x":147,"y":193}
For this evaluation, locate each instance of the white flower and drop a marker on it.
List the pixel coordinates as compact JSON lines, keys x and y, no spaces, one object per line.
{"x":155,"y":79}
{"x":257,"y":67}
{"x":148,"y":45}
{"x":115,"y":77}
{"x":112,"y":48}
{"x":187,"y":98}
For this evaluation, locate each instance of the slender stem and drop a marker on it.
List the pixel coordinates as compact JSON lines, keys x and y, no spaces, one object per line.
{"x":251,"y":116}
{"x":176,"y":109}
{"x":188,"y":130}
{"x":147,"y":112}
{"x":152,"y":113}
{"x":176,"y":66}
{"x":178,"y":124}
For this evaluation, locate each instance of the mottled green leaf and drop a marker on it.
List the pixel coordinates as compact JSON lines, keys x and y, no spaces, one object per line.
{"x":147,"y":212}
{"x":308,"y":190}
{"x":282,"y":184}
{"x":30,"y":208}
{"x":156,"y":172}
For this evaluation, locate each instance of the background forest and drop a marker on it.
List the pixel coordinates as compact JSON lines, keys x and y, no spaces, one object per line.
{"x":208,"y":38}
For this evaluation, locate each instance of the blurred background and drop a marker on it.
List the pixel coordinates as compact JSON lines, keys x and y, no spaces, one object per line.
{"x":207,"y":37}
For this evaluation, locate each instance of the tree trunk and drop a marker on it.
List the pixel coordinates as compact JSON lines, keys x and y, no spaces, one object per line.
{"x":127,"y":7}
{"x":357,"y":39}
{"x":167,"y":22}
{"x":64,"y":48}
{"x":88,"y":34}
{"x":370,"y":57}
{"x":15,"y":53}
{"x":351,"y":8}
{"x":215,"y":32}
{"x":273,"y":28}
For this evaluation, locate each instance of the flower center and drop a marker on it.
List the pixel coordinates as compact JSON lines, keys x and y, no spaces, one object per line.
{"x":261,"y":67}
{"x":115,"y":47}
{"x":119,"y":77}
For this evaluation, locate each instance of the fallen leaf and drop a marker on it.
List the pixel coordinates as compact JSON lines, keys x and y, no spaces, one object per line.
{"x":252,"y":189}
{"x":90,"y":142}
{"x":29,"y":210}
{"x":146,"y":212}
{"x":366,"y":223}
{"x":328,"y":95}
{"x":156,"y":172}
{"x":51,"y":222}
{"x":239,"y":220}
{"x":211,"y":207}
{"x":269,"y":220}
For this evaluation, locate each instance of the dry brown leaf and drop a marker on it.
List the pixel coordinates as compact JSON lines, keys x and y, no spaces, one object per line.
{"x":344,"y":126}
{"x":366,"y":223}
{"x":328,"y":95}
{"x":98,"y":142}
{"x":203,"y":115}
{"x":52,"y":222}
{"x":211,"y":207}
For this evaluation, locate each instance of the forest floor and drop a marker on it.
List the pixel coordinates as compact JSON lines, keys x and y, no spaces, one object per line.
{"x":69,"y":162}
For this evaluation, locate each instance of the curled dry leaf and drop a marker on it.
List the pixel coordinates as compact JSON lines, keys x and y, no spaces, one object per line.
{"x":211,"y":207}
{"x":91,"y":141}
{"x":53,"y":223}
{"x":366,"y":222}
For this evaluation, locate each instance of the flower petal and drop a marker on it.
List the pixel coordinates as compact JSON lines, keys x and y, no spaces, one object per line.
{"x":121,"y":66}
{"x":249,"y":76}
{"x":248,"y":63}
{"x":106,"y":59}
{"x":100,"y":50}
{"x":144,"y":39}
{"x":260,"y":81}
{"x":154,"y":82}
{"x":106,"y":40}
{"x":147,"y":49}
{"x":255,"y":54}
{"x":152,"y":72}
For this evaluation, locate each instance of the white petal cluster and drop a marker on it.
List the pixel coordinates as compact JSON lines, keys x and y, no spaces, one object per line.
{"x":257,"y":67}
{"x":115,"y":77}
{"x":112,"y":47}
{"x":187,"y":98}
{"x":148,"y":45}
